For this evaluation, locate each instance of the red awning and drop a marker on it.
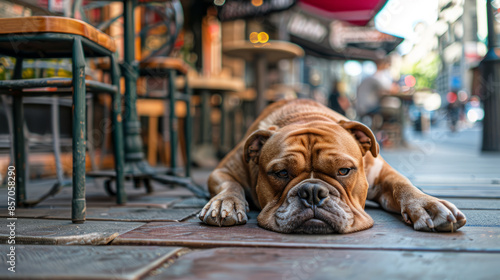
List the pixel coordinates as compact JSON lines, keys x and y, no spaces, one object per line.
{"x":358,"y":12}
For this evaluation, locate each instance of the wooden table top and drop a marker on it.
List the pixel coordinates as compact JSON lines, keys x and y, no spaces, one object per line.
{"x":274,"y":51}
{"x":164,"y":63}
{"x":216,"y":84}
{"x":49,"y":24}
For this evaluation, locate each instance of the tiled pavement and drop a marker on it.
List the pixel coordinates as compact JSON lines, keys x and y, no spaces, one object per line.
{"x":158,"y":236}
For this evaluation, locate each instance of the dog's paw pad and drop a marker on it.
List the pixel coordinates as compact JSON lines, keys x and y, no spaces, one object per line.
{"x":224,"y":210}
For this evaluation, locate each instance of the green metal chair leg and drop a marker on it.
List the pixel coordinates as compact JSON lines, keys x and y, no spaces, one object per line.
{"x":79,"y":133}
{"x":121,"y":197}
{"x":172,"y":120}
{"x":188,"y":128}
{"x":19,"y":147}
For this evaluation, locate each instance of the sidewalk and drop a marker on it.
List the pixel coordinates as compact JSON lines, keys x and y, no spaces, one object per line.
{"x":158,"y":236}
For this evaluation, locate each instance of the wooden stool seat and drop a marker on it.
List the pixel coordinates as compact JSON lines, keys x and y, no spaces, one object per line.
{"x":44,"y":24}
{"x":178,"y":94}
{"x":216,"y":85}
{"x":164,"y":63}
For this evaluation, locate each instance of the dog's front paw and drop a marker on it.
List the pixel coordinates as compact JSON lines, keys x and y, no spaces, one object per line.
{"x":431,"y":214}
{"x":225,"y":210}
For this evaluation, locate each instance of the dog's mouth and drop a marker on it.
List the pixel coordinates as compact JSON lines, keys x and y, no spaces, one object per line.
{"x":314,"y":226}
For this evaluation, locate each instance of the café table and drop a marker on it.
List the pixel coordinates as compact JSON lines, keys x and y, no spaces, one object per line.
{"x":206,"y":87}
{"x":262,"y":54}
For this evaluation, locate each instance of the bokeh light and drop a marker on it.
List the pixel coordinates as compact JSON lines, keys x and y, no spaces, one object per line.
{"x":219,"y":2}
{"x":254,"y":37}
{"x":257,"y":3}
{"x":353,"y":68}
{"x":410,"y":81}
{"x":263,"y":37}
{"x":451,"y":97}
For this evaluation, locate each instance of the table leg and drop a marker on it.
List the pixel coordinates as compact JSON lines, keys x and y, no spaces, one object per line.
{"x":222,"y":131}
{"x":152,"y":139}
{"x":79,"y":133}
{"x":133,"y":142}
{"x":118,"y":151}
{"x":19,"y":147}
{"x":205,"y":117}
{"x":173,"y":124}
{"x":56,"y":145}
{"x":260,"y":69}
{"x":188,"y":128}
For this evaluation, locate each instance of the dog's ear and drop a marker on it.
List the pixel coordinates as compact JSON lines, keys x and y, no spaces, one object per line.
{"x":363,"y":135}
{"x":254,"y":144}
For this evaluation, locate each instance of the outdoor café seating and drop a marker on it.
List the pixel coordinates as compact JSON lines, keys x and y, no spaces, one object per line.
{"x":158,"y":77}
{"x":158,"y":69}
{"x":57,"y":37}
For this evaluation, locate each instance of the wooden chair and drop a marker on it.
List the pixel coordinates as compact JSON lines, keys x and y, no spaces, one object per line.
{"x":168,"y":68}
{"x":57,"y":37}
{"x":164,"y":70}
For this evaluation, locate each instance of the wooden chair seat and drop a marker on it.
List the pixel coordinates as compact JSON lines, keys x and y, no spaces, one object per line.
{"x":27,"y":27}
{"x":216,"y":84}
{"x":161,"y":64}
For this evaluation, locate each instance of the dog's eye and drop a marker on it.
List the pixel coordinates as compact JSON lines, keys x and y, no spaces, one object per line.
{"x":344,"y":171}
{"x":282,"y":174}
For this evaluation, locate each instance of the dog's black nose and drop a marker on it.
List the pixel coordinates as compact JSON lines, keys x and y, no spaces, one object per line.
{"x":313,"y":194}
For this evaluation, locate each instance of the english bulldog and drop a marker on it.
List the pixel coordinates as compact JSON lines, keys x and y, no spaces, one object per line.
{"x":310,"y":170}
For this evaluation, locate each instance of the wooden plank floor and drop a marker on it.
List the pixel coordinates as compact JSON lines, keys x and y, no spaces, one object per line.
{"x":452,"y":169}
{"x":279,"y":263}
{"x":63,"y":232}
{"x":389,"y":233}
{"x":85,"y":262}
{"x":123,"y":214}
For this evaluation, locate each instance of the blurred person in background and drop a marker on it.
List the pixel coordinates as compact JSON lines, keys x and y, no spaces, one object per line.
{"x":338,"y":101}
{"x":371,"y":91}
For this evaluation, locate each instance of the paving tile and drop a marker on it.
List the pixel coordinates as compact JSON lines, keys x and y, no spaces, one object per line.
{"x":388,"y":233}
{"x":279,"y":263}
{"x":162,"y":197}
{"x":125,"y":214}
{"x":464,"y":193}
{"x":84,"y":262}
{"x":475,"y":204}
{"x":192,"y":202}
{"x":103,"y":200}
{"x":63,"y":232}
{"x":482,"y":218}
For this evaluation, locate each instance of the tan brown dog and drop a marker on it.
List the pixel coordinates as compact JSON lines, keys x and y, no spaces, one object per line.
{"x":310,"y":170}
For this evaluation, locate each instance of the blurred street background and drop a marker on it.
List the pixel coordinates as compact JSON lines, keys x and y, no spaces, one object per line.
{"x":397,"y":66}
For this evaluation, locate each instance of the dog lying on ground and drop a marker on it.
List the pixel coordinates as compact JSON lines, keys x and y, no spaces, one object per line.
{"x":310,"y":170}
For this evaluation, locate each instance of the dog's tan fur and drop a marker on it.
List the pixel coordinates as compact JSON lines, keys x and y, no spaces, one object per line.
{"x":311,"y":143}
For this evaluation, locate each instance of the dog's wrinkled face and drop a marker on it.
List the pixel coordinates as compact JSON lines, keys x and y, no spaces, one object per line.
{"x":311,"y":177}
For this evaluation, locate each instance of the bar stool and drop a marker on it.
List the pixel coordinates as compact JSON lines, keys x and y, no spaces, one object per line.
{"x":168,"y":68}
{"x":58,"y":37}
{"x":205,"y":87}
